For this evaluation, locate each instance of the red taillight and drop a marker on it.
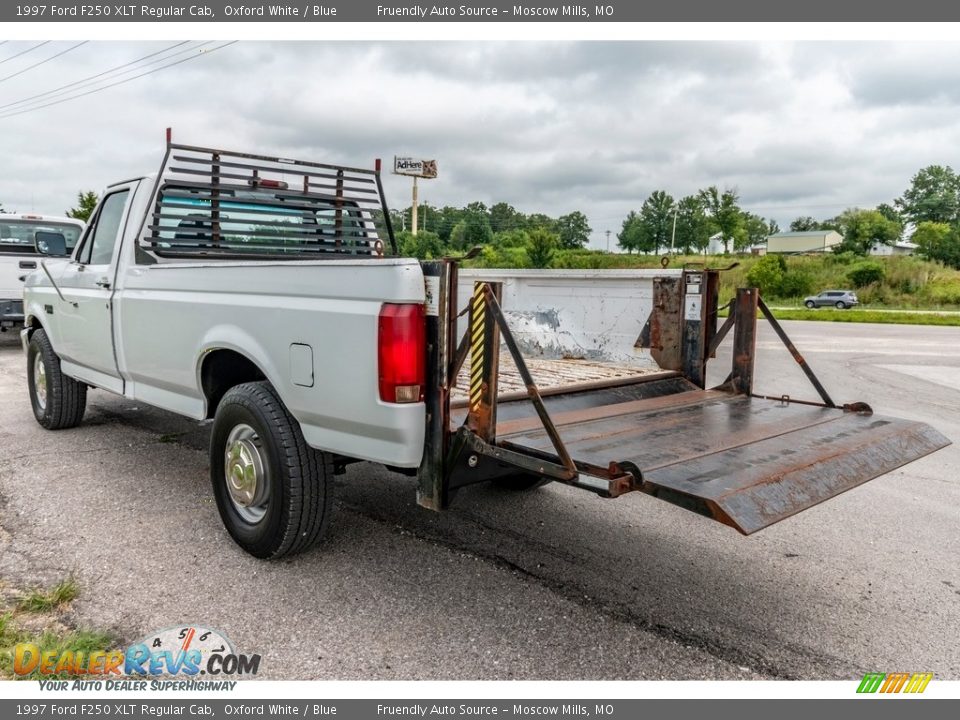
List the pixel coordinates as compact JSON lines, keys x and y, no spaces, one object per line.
{"x":402,"y":353}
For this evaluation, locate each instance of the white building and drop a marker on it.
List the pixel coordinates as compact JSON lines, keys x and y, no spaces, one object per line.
{"x":898,"y":248}
{"x":808,"y":241}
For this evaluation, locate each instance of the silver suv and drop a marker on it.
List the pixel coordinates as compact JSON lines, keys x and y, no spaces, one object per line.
{"x":837,"y":298}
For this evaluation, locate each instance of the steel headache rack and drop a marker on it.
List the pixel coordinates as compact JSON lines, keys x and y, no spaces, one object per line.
{"x":223,"y":204}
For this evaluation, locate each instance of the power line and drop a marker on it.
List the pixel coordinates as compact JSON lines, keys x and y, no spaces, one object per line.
{"x":43,"y":62}
{"x":120,"y":82}
{"x":76,"y":84}
{"x":24,"y":52}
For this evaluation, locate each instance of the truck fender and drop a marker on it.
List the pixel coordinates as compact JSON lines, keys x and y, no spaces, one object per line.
{"x":235,"y":342}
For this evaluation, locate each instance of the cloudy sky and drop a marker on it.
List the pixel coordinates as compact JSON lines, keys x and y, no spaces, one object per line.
{"x":797,"y":128}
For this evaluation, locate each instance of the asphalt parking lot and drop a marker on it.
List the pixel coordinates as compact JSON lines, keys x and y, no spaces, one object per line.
{"x":555,"y":584}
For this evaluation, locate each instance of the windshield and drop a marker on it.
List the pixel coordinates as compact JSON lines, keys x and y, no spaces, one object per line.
{"x":17,"y":236}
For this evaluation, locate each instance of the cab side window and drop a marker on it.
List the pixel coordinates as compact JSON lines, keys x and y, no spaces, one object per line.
{"x":102,"y":237}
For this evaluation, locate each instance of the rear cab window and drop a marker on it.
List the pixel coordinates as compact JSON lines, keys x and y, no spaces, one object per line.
{"x":256,"y":222}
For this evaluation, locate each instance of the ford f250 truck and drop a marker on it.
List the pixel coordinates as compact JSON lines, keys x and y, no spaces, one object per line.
{"x":257,"y":292}
{"x":24,"y":237}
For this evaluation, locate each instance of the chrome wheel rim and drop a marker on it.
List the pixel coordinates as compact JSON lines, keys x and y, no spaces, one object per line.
{"x":40,"y":381}
{"x":245,"y":475}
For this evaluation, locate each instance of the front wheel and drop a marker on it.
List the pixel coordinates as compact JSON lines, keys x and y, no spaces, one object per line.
{"x":272,"y":489}
{"x":58,"y":401}
{"x":841,"y":305}
{"x":810,"y":304}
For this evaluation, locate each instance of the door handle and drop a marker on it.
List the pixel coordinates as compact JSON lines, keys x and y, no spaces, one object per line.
{"x":28,"y":265}
{"x":103,"y":282}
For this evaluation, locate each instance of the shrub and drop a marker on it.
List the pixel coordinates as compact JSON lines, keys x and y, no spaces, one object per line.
{"x":796,"y":283}
{"x":944,"y":291}
{"x":767,"y":274}
{"x":866,"y":273}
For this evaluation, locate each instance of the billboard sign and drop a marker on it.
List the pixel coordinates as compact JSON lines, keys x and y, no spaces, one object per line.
{"x":414,"y":167}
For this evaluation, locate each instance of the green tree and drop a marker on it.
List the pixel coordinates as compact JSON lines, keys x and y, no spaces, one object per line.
{"x":725,"y":214}
{"x":504,"y":217}
{"x":890,"y":212}
{"x":933,"y":196}
{"x":425,"y":245}
{"x":656,"y":220}
{"x":86,"y":203}
{"x":447,"y":219}
{"x":693,"y":225}
{"x":631,"y":235}
{"x":756,"y":231}
{"x":541,"y":247}
{"x":767,"y":274}
{"x":573,"y":230}
{"x":861,"y":229}
{"x":539,"y":220}
{"x":866,"y":273}
{"x":938,"y":241}
{"x":473,"y":229}
{"x":804,"y":224}
{"x":511,"y":238}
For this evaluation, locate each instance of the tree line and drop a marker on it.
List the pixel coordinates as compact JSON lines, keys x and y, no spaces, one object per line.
{"x":688,"y":224}
{"x":928,"y":213}
{"x":499,"y":229}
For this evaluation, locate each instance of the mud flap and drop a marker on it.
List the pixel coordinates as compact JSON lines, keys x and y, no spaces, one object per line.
{"x":747,"y":462}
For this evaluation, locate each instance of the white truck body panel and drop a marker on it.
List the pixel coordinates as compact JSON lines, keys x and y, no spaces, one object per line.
{"x":146,"y":335}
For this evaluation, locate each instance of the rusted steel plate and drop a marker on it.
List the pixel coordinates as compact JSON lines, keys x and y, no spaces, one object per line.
{"x":657,"y":432}
{"x":747,"y":462}
{"x":756,"y":485}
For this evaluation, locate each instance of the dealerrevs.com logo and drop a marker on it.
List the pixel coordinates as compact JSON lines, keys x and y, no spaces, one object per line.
{"x":173,"y":658}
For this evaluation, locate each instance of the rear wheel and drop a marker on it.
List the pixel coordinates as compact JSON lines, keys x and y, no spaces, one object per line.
{"x":272,"y":489}
{"x":841,"y":305}
{"x":58,"y":401}
{"x":810,"y":304}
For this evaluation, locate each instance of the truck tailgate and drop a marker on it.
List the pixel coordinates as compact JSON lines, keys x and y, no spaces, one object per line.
{"x":745,"y":461}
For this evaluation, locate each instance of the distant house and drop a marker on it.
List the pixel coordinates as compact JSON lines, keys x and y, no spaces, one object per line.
{"x":898,"y":248}
{"x":809,"y":241}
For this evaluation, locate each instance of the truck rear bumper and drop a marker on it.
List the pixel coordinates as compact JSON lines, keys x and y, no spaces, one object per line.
{"x":11,"y":313}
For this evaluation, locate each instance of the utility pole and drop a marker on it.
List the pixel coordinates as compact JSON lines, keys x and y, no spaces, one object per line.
{"x":413,"y":216}
{"x":673,"y":235}
{"x":608,"y":241}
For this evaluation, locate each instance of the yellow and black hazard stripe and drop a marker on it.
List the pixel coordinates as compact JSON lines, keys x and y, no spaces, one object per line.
{"x":478,"y":327}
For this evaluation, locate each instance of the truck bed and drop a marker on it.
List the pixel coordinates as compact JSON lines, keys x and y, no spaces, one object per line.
{"x":552,"y":375}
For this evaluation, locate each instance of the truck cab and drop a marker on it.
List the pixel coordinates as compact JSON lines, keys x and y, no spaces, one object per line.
{"x":24,"y":240}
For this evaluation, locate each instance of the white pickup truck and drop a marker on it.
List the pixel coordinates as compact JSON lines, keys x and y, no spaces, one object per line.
{"x":255,"y":291}
{"x":24,"y":237}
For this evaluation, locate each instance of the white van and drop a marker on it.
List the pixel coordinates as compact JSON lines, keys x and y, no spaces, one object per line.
{"x":24,"y":240}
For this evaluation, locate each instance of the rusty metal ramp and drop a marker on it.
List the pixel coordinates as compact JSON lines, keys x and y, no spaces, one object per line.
{"x":746,"y":461}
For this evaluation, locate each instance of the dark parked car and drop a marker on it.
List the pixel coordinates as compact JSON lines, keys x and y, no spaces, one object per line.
{"x":837,"y":298}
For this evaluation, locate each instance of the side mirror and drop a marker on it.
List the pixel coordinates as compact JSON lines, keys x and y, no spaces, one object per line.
{"x":50,"y":243}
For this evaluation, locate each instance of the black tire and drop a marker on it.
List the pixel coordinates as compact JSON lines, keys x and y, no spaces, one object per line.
{"x":810,"y":304}
{"x":841,"y":305}
{"x":520,"y":482}
{"x":61,"y":402}
{"x":297,"y":479}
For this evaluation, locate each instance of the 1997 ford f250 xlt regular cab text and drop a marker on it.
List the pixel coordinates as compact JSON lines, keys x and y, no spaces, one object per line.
{"x":255,"y":291}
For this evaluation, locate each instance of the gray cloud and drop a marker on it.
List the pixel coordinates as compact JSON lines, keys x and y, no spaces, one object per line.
{"x":799,"y":129}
